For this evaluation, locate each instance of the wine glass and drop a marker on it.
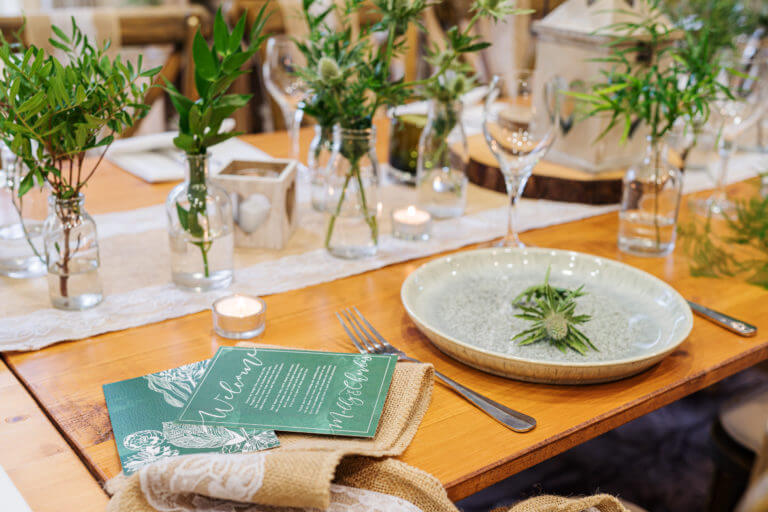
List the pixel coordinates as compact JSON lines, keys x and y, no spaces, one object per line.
{"x":731,"y":116}
{"x":283,"y":60}
{"x":520,"y":128}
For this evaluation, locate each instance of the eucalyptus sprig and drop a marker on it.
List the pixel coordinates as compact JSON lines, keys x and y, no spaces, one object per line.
{"x":552,"y":311}
{"x":52,"y":113}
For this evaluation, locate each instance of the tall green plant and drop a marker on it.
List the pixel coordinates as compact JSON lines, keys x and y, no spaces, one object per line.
{"x":653,"y":81}
{"x":52,"y":113}
{"x":216,"y":69}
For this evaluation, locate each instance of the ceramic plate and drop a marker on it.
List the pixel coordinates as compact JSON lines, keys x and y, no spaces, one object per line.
{"x":463,"y":303}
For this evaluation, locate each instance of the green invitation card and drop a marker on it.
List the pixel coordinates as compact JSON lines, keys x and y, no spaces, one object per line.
{"x":292,"y":390}
{"x":143,"y":413}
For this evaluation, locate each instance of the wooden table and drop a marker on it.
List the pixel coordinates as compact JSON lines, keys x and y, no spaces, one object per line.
{"x":458,"y":444}
{"x":43,"y":467}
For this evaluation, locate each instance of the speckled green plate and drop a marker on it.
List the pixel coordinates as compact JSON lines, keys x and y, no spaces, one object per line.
{"x":463,"y":304}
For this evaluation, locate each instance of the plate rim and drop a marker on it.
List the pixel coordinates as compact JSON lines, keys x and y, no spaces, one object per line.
{"x":566,"y":364}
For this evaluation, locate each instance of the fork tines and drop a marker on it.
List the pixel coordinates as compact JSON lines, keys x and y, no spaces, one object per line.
{"x":362,"y":333}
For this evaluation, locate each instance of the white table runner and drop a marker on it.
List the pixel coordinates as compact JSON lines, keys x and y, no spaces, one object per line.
{"x":135,"y":261}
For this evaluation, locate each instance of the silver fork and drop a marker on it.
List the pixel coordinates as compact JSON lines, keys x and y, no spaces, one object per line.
{"x":370,"y":341}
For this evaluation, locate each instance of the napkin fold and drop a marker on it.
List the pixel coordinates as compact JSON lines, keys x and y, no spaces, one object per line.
{"x":300,"y":473}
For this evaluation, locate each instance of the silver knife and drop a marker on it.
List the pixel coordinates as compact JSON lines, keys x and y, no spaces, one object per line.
{"x":732,"y":324}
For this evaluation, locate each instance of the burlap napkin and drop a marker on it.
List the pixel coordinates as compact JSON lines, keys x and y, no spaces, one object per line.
{"x":298,"y":473}
{"x":598,"y":502}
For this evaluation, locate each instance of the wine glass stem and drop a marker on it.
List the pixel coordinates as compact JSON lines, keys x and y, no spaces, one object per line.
{"x":726,"y":147}
{"x":515,"y":187}
{"x":293,"y":118}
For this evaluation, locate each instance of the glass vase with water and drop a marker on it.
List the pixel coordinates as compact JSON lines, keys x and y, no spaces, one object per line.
{"x":71,"y":254}
{"x":21,"y":222}
{"x":200,"y":230}
{"x":443,"y":158}
{"x":650,"y":203}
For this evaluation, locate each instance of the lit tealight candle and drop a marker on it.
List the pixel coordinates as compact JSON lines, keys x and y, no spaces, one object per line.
{"x":411,"y":223}
{"x":239,"y":317}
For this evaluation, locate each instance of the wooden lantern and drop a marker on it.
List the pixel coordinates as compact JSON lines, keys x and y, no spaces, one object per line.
{"x":263,"y":197}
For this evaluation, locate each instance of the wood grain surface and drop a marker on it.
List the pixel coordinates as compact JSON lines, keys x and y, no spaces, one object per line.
{"x":42,"y":466}
{"x":457,"y":443}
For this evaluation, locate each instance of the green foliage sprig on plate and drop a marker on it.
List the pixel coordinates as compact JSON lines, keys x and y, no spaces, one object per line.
{"x":735,"y":247}
{"x":216,"y":69}
{"x":52,"y":113}
{"x":553,"y":314}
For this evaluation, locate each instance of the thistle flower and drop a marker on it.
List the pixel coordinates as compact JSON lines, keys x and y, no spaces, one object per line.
{"x":458,"y":85}
{"x":328,"y":70}
{"x":553,"y":316}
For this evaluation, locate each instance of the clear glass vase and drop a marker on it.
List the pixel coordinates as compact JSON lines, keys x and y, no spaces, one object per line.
{"x":21,"y":222}
{"x":200,"y":230}
{"x":650,"y":204}
{"x":320,"y":150}
{"x":352,"y":195}
{"x":71,"y":254}
{"x":443,"y":159}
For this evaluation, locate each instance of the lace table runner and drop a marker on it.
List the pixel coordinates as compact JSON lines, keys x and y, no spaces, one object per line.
{"x":135,"y":261}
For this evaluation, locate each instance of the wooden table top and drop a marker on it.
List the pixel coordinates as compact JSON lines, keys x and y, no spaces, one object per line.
{"x":457,"y":443}
{"x":41,"y":465}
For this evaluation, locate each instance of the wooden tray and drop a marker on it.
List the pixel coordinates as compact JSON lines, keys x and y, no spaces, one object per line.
{"x":549,"y":181}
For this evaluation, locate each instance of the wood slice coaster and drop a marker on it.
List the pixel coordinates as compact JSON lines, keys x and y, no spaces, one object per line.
{"x":549,"y":180}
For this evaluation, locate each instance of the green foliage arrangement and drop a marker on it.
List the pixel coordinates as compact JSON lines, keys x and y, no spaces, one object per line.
{"x":651,"y":80}
{"x":712,"y":25}
{"x":654,"y":81}
{"x":216,"y":69}
{"x":349,"y":80}
{"x":552,"y":312}
{"x":739,"y":250}
{"x":52,"y":113}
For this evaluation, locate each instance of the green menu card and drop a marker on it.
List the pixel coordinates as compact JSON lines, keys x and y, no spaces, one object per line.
{"x":143,"y":413}
{"x":292,"y":390}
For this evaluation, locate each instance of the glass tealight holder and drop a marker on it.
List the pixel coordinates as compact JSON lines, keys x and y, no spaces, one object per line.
{"x":239,"y":317}
{"x":411,"y":223}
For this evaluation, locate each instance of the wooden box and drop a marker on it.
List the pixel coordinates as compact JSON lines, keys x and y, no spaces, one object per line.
{"x":263,"y":197}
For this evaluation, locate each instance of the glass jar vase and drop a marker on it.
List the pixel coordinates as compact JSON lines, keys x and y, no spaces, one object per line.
{"x":443,"y":159}
{"x":71,"y":254}
{"x":200,"y":230}
{"x":21,"y":222}
{"x":352,"y":194}
{"x":650,"y":204}
{"x":320,"y":150}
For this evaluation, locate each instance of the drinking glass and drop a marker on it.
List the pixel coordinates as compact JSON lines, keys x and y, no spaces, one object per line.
{"x":283,"y":60}
{"x":731,"y":117}
{"x":520,"y":124}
